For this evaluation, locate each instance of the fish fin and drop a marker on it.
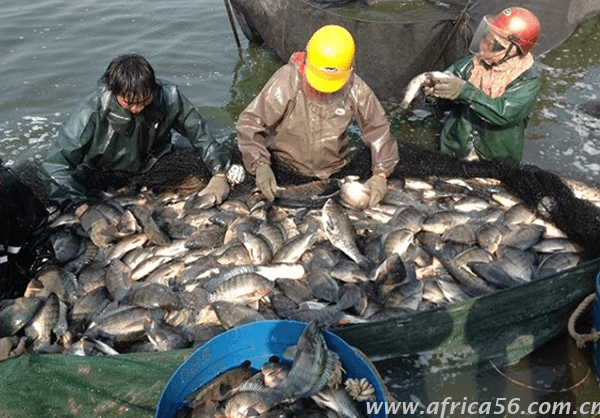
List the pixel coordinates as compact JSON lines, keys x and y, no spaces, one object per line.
{"x":290,"y":352}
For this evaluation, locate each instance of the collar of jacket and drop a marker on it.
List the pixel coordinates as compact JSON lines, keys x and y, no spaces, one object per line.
{"x":299,"y":60}
{"x":105,"y":98}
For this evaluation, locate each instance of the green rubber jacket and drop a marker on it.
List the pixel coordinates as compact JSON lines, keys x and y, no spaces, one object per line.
{"x":100,"y":134}
{"x":495,"y":127}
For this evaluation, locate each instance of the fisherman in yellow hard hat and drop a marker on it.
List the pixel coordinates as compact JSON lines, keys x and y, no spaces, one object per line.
{"x":298,"y":124}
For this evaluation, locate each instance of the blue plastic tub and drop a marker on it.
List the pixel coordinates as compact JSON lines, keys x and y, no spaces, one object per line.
{"x":255,"y":342}
{"x":597,"y":328}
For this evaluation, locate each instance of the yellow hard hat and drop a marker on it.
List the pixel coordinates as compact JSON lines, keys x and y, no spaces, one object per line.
{"x":329,"y":58}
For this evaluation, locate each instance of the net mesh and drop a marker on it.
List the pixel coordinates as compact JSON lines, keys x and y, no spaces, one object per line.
{"x":542,"y":191}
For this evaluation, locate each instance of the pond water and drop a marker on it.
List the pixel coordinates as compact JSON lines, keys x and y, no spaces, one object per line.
{"x":54,"y":51}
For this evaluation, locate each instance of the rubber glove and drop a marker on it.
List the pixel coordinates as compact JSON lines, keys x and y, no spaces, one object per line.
{"x":378,"y":188}
{"x":265,"y":181}
{"x":81,"y":209}
{"x":449,"y":88}
{"x":218,"y":188}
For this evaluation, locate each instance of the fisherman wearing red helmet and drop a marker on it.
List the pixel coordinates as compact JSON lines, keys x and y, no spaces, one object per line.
{"x":494,"y":90}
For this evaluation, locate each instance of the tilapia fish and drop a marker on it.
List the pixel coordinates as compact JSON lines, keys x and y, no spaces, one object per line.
{"x":218,"y":387}
{"x":17,"y":313}
{"x":341,"y":233}
{"x":414,"y":86}
{"x":339,"y":401}
{"x":194,"y":272}
{"x":312,"y":366}
{"x":354,"y":193}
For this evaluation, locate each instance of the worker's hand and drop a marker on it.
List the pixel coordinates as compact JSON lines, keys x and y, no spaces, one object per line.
{"x":449,"y":87}
{"x":218,"y":188}
{"x":428,"y":90}
{"x":265,"y":181}
{"x":377,"y":185}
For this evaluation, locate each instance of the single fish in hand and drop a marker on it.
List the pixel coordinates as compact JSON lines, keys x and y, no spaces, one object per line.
{"x":414,"y":86}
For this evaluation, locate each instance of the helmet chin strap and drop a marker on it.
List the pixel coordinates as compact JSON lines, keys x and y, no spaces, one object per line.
{"x":506,"y":56}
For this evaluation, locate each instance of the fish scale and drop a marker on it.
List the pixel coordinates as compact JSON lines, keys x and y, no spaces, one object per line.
{"x":409,"y":218}
{"x":316,"y":249}
{"x":40,"y":326}
{"x":242,"y":288}
{"x":291,"y":251}
{"x":340,"y":232}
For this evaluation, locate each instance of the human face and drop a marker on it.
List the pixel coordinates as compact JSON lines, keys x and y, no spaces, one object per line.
{"x":134,"y":104}
{"x":493,"y":48}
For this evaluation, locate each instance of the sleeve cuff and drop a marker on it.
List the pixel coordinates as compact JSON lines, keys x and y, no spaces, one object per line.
{"x":468,"y":92}
{"x":257,"y":164}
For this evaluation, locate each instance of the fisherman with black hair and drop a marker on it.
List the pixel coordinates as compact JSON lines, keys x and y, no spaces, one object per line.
{"x":124,"y":128}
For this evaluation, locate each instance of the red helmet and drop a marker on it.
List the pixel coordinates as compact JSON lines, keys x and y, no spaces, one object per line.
{"x":519,"y":26}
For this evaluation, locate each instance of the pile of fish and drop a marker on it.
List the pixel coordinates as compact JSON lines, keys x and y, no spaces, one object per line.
{"x":313,"y":382}
{"x":144,"y":272}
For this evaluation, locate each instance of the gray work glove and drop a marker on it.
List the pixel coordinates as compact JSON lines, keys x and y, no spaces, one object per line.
{"x":265,"y":181}
{"x":218,"y":188}
{"x":377,"y":187}
{"x":449,"y":88}
{"x":81,"y":209}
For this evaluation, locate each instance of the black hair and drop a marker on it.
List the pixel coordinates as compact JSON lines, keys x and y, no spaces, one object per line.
{"x":131,"y":76}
